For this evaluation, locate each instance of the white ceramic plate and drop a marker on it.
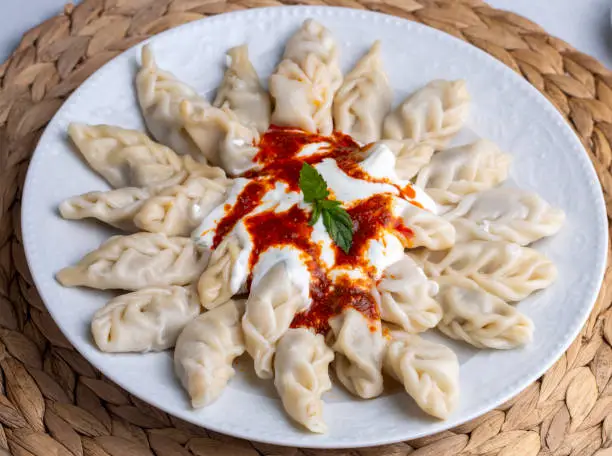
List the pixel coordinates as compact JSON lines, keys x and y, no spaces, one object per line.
{"x":548,"y":158}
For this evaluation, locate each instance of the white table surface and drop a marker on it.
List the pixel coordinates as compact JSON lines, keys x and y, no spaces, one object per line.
{"x":585,"y":24}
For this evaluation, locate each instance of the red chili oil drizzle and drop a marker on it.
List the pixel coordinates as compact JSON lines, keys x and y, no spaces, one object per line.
{"x":278,"y":157}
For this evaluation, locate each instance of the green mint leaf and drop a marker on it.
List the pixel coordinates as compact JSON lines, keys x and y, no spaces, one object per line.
{"x":316,"y":213}
{"x":312,"y":184}
{"x":339,"y":225}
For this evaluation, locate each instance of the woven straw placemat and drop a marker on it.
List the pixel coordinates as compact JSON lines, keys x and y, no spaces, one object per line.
{"x":54,"y":403}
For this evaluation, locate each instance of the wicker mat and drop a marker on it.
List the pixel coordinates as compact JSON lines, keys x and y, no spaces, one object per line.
{"x":52,"y":402}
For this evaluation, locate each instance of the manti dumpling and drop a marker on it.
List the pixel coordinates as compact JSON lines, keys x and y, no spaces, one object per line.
{"x":480,"y":318}
{"x":456,"y":172}
{"x":429,"y":372}
{"x":160,"y":93}
{"x":359,"y":346}
{"x":179,"y":209}
{"x":305,"y":82}
{"x":114,"y":207}
{"x":434,"y":113}
{"x":406,"y":297}
{"x":146,"y":320}
{"x":220,"y":136}
{"x":214,"y":286}
{"x":505,"y":214}
{"x":430,"y":230}
{"x":205,"y":351}
{"x":301,"y":368}
{"x":506,"y":270}
{"x":125,"y":157}
{"x":364,"y":99}
{"x":273,"y":302}
{"x":410,"y":156}
{"x":137,"y":261}
{"x":242,"y":92}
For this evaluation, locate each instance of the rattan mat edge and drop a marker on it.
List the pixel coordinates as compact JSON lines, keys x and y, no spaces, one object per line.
{"x":52,"y":402}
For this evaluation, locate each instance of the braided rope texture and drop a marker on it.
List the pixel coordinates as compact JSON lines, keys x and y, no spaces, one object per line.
{"x":52,"y":402}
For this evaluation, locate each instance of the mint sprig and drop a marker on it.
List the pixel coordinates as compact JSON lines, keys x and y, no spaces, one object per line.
{"x":336,"y":220}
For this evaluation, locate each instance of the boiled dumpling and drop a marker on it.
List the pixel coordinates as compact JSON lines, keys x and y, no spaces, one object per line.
{"x":137,"y":261}
{"x":480,"y":318}
{"x":114,"y":207}
{"x":242,"y":92}
{"x":215,"y":284}
{"x":506,"y":270}
{"x":146,"y":320}
{"x":434,"y":113}
{"x":220,"y":136}
{"x":429,"y":372}
{"x":273,"y":302}
{"x":205,"y":351}
{"x":125,"y":157}
{"x":359,"y":346}
{"x":160,"y":93}
{"x":178,"y":210}
{"x":364,"y":99}
{"x":429,"y":230}
{"x":406,"y":297}
{"x":301,"y":376}
{"x":454,"y":173}
{"x":505,"y":214}
{"x":304,"y":83}
{"x":410,"y":157}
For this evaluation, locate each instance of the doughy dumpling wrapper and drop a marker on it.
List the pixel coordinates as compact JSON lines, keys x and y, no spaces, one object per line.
{"x":146,"y":320}
{"x":456,"y":172}
{"x":429,"y":372}
{"x":506,"y":270}
{"x":123,"y":157}
{"x":359,"y":346}
{"x":406,"y":297}
{"x":242,"y":91}
{"x":114,"y":207}
{"x":214,"y":286}
{"x":304,"y":83}
{"x":480,"y":318}
{"x":434,"y":113}
{"x":505,"y":214}
{"x":160,"y":94}
{"x":410,"y":157}
{"x":220,"y":136}
{"x":364,"y":99}
{"x":272,"y":304}
{"x":301,"y":368}
{"x":137,"y":261}
{"x":178,"y":210}
{"x":430,"y":230}
{"x":205,"y":351}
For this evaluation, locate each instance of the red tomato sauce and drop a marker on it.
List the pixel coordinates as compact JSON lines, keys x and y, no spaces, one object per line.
{"x":279,"y":162}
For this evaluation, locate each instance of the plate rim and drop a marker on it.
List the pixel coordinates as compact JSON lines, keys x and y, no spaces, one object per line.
{"x":318,"y":11}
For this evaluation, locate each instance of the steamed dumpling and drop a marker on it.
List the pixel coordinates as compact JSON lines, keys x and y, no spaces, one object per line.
{"x":215,"y":286}
{"x":429,"y":372}
{"x":137,"y":261}
{"x":457,"y":172}
{"x":146,"y":320}
{"x":359,"y":346}
{"x":406,"y":297}
{"x":125,"y":157}
{"x":480,"y":318}
{"x":301,"y":368}
{"x":364,"y":99}
{"x":273,"y":302}
{"x":434,"y":113}
{"x":430,"y":230}
{"x":410,"y":157}
{"x":160,"y":94}
{"x":205,"y":351}
{"x":304,"y":83}
{"x":242,"y":92}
